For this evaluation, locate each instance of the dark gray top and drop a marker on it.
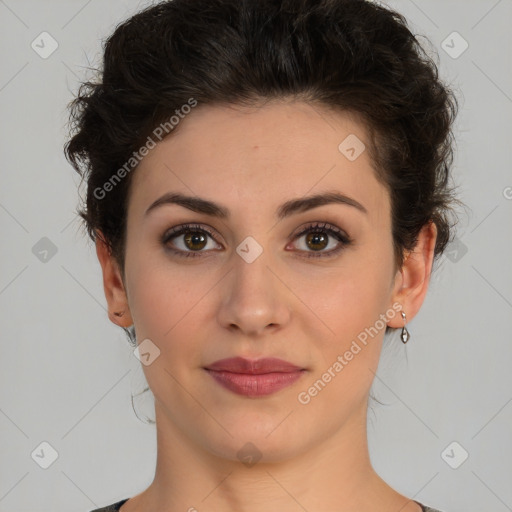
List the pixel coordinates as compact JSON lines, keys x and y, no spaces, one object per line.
{"x":116,"y":506}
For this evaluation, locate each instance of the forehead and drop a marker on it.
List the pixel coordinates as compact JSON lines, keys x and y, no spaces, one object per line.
{"x":254,"y":156}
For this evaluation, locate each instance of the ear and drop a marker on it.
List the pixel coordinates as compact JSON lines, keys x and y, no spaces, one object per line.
{"x":113,"y":284}
{"x":412,"y":280}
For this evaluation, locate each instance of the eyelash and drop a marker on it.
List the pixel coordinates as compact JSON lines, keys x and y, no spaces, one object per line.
{"x":315,"y":228}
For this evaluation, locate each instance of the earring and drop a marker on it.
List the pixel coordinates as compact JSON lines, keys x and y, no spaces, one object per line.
{"x":131,"y":335}
{"x":405,"y":333}
{"x":121,"y":313}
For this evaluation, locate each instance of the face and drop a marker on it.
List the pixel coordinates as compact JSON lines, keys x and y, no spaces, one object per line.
{"x":270,"y":278}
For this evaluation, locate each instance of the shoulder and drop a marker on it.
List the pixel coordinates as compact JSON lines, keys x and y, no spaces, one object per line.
{"x":110,"y":508}
{"x":116,"y":506}
{"x":425,"y":508}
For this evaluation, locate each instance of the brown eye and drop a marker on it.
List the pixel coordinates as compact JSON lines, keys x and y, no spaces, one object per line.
{"x":317,"y":241}
{"x":319,"y":237}
{"x":195,"y":240}
{"x":188,"y":240}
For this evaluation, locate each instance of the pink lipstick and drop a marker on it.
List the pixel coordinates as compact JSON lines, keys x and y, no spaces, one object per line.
{"x":254,"y":378}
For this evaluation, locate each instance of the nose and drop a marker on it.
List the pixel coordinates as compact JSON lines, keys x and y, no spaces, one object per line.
{"x":254,"y":299}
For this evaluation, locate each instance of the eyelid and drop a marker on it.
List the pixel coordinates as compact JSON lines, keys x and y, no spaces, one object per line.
{"x":189,"y":227}
{"x":182,"y":228}
{"x":321,"y":226}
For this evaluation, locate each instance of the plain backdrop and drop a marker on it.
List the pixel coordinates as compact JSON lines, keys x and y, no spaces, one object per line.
{"x":67,"y":374}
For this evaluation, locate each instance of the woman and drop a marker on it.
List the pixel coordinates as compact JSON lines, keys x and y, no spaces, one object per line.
{"x":268,"y":189}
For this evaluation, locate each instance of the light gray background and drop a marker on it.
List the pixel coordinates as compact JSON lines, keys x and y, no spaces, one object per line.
{"x":67,"y":373}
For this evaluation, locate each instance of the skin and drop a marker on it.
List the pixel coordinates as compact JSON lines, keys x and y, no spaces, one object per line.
{"x":304,"y":310}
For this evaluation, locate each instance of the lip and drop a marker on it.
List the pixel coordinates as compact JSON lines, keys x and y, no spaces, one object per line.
{"x":256,"y":377}
{"x":253,"y":366}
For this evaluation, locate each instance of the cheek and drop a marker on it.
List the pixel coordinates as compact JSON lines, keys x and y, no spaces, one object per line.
{"x":352,"y":297}
{"x":347,"y":354}
{"x":159,"y":293}
{"x":168,"y":307}
{"x":165,"y":305}
{"x":349,"y":305}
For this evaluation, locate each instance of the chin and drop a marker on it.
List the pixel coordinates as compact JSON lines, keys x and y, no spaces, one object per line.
{"x":251,"y":450}
{"x":255,"y":439}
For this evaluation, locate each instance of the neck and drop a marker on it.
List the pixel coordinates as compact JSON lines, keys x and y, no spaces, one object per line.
{"x":333,"y":475}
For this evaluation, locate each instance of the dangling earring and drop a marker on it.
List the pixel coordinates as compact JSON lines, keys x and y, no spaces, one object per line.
{"x":131,"y":335}
{"x":405,"y":333}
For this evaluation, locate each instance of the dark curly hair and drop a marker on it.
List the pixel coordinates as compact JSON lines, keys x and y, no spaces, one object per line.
{"x":348,"y":55}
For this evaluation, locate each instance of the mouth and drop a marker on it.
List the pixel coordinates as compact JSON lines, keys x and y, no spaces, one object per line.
{"x":254,"y":378}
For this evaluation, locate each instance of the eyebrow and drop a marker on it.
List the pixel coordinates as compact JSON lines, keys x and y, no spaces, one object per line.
{"x":293,"y":206}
